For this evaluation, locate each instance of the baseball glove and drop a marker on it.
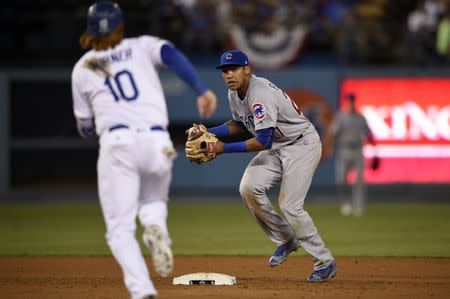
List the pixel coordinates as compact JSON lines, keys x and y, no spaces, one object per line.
{"x":200,"y":145}
{"x":375,"y":163}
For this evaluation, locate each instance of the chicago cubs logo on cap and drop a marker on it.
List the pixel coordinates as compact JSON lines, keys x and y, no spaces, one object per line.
{"x":259,"y":111}
{"x":233,"y":57}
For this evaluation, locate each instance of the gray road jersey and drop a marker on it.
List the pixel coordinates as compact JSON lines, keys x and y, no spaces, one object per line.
{"x":350,"y":129}
{"x":265,"y":106}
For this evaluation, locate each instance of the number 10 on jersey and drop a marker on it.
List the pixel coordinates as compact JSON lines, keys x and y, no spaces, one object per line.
{"x":122,"y":86}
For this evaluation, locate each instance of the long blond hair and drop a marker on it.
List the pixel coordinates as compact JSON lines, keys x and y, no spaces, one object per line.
{"x":101,"y":43}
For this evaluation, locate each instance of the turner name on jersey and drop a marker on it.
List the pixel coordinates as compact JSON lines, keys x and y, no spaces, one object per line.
{"x":106,"y":82}
{"x":117,"y":56}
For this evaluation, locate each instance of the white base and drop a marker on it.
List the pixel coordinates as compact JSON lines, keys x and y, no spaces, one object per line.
{"x":205,"y":278}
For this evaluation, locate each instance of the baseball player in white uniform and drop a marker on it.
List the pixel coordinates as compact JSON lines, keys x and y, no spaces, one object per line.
{"x":117,"y":94}
{"x":289,"y":152}
{"x":350,"y":130}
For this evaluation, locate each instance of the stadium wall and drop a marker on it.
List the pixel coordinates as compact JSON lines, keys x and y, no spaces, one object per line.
{"x":39,"y":144}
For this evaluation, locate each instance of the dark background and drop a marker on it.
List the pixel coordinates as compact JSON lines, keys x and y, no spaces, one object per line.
{"x":42,"y":36}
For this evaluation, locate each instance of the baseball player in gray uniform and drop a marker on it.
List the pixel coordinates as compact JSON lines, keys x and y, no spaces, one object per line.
{"x":117,"y":94}
{"x":289,"y":152}
{"x":350,"y":130}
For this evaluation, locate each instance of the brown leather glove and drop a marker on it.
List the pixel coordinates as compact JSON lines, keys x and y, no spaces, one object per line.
{"x":200,"y":146}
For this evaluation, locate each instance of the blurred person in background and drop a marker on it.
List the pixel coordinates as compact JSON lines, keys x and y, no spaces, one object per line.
{"x":199,"y":35}
{"x":443,"y":38}
{"x":435,"y":10}
{"x":169,"y":21}
{"x":351,"y":39}
{"x":224,"y":21}
{"x":420,"y":35}
{"x":347,"y":133}
{"x":117,"y":94}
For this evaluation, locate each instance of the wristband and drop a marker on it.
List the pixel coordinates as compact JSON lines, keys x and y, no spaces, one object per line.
{"x":235,"y":147}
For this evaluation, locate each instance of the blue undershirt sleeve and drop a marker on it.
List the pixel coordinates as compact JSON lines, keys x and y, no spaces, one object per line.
{"x":179,"y":64}
{"x":265,"y":137}
{"x":220,"y":131}
{"x":235,"y":147}
{"x":224,"y":130}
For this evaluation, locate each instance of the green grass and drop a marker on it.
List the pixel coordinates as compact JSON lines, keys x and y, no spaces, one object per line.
{"x":72,"y":228}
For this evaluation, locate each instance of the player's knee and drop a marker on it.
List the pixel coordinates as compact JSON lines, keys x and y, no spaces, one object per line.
{"x":250,"y":193}
{"x":119,"y":236}
{"x":292,"y":209}
{"x":244,"y":189}
{"x":247,"y":187}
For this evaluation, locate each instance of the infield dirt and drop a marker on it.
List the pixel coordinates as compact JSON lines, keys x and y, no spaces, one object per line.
{"x":100,"y":277}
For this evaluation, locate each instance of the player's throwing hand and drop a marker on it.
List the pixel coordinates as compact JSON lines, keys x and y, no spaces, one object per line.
{"x":206,"y":104}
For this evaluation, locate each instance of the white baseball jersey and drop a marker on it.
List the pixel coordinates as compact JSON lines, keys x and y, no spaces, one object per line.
{"x":119,"y":99}
{"x":121,"y":90}
{"x":265,"y":106}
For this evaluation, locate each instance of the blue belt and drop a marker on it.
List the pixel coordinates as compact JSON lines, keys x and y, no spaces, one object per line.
{"x":122,"y":126}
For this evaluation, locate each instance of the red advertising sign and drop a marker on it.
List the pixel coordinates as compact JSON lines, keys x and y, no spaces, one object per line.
{"x":410,"y":120}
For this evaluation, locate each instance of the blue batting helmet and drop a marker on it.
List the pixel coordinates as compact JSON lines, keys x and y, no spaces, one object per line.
{"x":103,"y":18}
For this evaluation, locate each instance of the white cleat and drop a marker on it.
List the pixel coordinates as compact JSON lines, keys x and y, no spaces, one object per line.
{"x":162,"y":255}
{"x":346,"y":209}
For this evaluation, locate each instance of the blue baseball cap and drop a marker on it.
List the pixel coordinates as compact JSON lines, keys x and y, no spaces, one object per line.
{"x":103,"y":18}
{"x":233,"y":57}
